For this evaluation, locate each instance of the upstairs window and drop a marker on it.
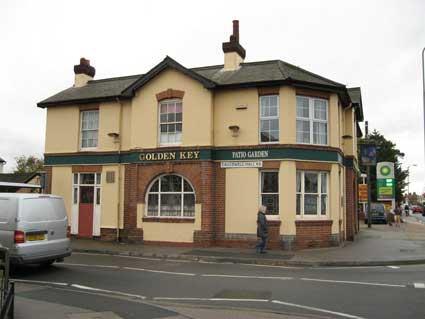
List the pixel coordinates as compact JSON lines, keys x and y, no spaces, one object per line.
{"x":269,"y":119}
{"x":170,"y":122}
{"x":312,"y":120}
{"x":89,"y":129}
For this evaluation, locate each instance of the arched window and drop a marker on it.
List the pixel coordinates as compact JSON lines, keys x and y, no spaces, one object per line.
{"x":170,"y":196}
{"x":170,"y":122}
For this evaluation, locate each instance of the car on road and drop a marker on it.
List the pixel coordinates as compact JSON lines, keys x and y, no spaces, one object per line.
{"x":417,"y":209}
{"x":34,"y":227}
{"x":378,"y":213}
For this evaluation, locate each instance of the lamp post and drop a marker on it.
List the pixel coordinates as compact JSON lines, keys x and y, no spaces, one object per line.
{"x":423,"y":89}
{"x":408,"y":181}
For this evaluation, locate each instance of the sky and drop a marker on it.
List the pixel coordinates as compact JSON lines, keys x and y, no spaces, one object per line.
{"x":372,"y":44}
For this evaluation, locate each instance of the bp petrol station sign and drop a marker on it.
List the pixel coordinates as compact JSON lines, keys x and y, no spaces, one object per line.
{"x":385,"y":182}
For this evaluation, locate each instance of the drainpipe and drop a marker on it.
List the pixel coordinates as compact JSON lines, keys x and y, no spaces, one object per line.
{"x":119,"y":170}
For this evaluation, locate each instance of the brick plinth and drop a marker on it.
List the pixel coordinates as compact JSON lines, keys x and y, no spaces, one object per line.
{"x":48,"y":170}
{"x":108,"y":234}
{"x":313,"y":234}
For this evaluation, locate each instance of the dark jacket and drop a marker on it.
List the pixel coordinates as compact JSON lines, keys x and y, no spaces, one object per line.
{"x":262,"y":227}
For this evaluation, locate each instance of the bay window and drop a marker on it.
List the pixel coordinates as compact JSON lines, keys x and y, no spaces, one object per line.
{"x":269,"y":119}
{"x":312,"y":193}
{"x":312,"y":120}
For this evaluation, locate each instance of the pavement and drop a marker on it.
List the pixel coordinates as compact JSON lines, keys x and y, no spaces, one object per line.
{"x":379,"y":245}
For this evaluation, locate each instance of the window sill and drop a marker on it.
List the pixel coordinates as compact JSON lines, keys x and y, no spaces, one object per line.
{"x":88,"y":149}
{"x":176,"y":220}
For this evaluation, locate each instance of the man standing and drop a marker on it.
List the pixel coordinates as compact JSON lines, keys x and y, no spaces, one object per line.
{"x":262,"y":230}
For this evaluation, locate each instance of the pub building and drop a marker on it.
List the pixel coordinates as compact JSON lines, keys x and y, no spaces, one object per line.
{"x":185,"y":156}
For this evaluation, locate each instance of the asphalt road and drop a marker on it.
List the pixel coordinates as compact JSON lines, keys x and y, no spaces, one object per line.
{"x":145,"y":286}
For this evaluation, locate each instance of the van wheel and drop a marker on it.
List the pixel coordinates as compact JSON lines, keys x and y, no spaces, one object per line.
{"x":47,"y":263}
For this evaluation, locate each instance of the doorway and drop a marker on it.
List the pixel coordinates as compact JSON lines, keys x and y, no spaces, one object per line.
{"x":86,"y":204}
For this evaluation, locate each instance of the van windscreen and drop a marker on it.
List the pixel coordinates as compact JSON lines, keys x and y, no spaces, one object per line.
{"x":42,"y":209}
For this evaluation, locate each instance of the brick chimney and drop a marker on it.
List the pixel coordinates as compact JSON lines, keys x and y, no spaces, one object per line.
{"x":84,"y":72}
{"x":234,"y":53}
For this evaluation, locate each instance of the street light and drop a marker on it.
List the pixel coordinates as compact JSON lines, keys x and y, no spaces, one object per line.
{"x":423,"y":89}
{"x":408,"y":181}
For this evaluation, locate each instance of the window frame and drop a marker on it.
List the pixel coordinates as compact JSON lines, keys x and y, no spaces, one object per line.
{"x":268,"y":118}
{"x":81,"y":130}
{"x":269,"y":216}
{"x":175,"y":100}
{"x":311,"y":119}
{"x":319,"y":194}
{"x":182,"y":193}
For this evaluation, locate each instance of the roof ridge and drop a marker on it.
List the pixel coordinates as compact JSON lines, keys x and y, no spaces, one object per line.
{"x":207,"y":67}
{"x":311,"y":73}
{"x":116,"y":78}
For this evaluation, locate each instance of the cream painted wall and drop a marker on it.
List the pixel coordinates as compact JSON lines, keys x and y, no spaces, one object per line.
{"x":333,"y":121}
{"x":109,"y":114}
{"x":62,"y":186}
{"x":126,"y":126}
{"x":287,"y":115}
{"x":171,"y":232}
{"x":225,"y":115}
{"x":197,"y":105}
{"x":241,"y":200}
{"x":335,"y":197}
{"x":62,"y":129}
{"x":287,"y":197}
{"x":109,"y":200}
{"x":350,"y":145}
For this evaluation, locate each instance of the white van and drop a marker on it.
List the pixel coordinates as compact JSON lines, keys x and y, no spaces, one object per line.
{"x":34,"y":227}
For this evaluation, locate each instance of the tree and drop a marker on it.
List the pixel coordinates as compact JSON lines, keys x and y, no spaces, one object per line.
{"x":386,"y":152}
{"x":28,"y":164}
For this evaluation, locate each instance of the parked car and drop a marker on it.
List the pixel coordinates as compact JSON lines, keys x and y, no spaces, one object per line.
{"x":378,"y":213}
{"x":34,"y":227}
{"x":417,"y":209}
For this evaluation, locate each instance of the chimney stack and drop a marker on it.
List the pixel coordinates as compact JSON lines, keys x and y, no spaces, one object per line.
{"x":234,"y":53}
{"x":84,"y":72}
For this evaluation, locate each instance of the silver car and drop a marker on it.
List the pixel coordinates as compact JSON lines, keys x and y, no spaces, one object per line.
{"x":34,"y":227}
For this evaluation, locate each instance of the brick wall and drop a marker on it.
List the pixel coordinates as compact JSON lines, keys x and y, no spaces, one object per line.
{"x":313,"y":234}
{"x":351,"y":203}
{"x":48,"y":170}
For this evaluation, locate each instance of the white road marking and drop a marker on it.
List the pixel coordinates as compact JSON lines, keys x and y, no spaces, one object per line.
{"x":393,"y":267}
{"x":41,"y":282}
{"x":354,"y":282}
{"x":89,"y":265}
{"x":160,"y":271}
{"x":419,"y":285}
{"x":341,"y":314}
{"x":108,"y":291}
{"x":248,"y":277}
{"x":135,"y":257}
{"x":209,"y":299}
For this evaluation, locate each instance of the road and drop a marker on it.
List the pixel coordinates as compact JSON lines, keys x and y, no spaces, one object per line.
{"x":134,"y":287}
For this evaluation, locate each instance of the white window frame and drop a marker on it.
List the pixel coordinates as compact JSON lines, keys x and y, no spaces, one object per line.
{"x":175,"y":122}
{"x":81,"y":130}
{"x":312,"y":120}
{"x":268,"y":118}
{"x":319,"y":194}
{"x":182,"y":193}
{"x":260,"y":201}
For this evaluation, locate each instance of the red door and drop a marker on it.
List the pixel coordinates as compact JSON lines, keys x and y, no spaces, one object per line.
{"x":85,"y":211}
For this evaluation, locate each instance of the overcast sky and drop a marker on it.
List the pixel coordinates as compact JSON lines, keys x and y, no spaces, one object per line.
{"x":372,"y":44}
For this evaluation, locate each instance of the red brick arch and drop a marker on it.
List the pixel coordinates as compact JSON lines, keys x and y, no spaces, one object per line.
{"x":148,"y":173}
{"x":169,"y":94}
